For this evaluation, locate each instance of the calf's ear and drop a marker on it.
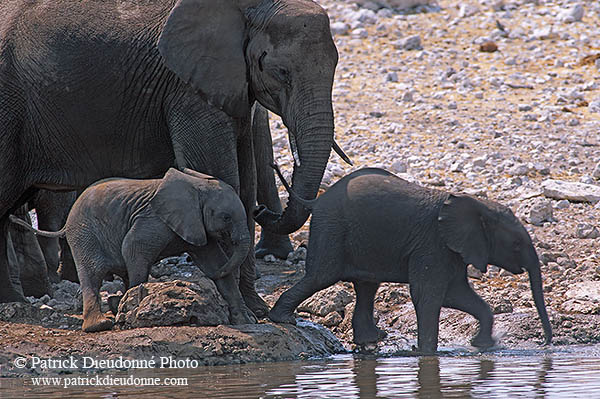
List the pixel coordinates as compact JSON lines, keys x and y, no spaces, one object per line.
{"x":178,"y":204}
{"x":462,"y":226}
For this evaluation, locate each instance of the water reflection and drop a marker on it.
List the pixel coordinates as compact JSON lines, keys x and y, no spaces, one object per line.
{"x":570,"y":372}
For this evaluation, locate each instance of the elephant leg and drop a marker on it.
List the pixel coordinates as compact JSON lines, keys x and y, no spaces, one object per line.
{"x":269,"y":244}
{"x":427,"y":291}
{"x":91,"y":270}
{"x":363,"y":324}
{"x":52,"y":209}
{"x":230,"y":291}
{"x":30,"y":258}
{"x":461,"y":296}
{"x":323,"y":268}
{"x":67,"y":270}
{"x":247,"y":173}
{"x":10,"y":282}
{"x":141,"y":247}
{"x":211,"y":257}
{"x":221,"y":147}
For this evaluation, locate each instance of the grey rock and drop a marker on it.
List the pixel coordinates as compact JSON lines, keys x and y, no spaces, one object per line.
{"x":585,"y":230}
{"x":333,"y":299}
{"x":399,"y":166}
{"x":339,"y":28}
{"x":391,"y":77}
{"x":596,"y":172}
{"x":572,"y":191}
{"x":540,"y":212}
{"x":572,"y":14}
{"x":583,"y":298}
{"x":409,"y":43}
{"x":173,"y":303}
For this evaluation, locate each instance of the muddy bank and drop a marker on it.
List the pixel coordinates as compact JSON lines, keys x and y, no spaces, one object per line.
{"x":46,"y":333}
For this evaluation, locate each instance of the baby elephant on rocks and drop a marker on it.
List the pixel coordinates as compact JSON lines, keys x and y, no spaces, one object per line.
{"x":123,"y":226}
{"x":372,"y":226}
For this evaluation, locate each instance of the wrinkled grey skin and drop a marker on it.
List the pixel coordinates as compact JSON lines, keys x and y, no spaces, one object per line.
{"x":371,"y":226}
{"x":27,"y":256}
{"x":93,"y":89}
{"x":123,"y":226}
{"x":278,"y":245}
{"x":52,"y":209}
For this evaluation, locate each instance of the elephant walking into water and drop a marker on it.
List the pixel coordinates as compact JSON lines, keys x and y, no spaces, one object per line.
{"x":94,"y":89}
{"x":372,"y":226}
{"x":123,"y":226}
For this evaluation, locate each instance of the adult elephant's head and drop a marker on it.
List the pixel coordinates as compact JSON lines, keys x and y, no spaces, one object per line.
{"x":279,"y":52}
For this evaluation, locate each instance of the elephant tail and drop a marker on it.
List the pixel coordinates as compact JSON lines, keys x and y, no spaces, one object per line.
{"x":43,"y":233}
{"x":308,"y":204}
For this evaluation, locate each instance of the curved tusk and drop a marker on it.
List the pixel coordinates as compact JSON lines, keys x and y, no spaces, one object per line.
{"x":338,"y":150}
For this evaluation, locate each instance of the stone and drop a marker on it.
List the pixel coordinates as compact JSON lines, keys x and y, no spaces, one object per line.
{"x":596,"y":172}
{"x":399,"y":166}
{"x":391,"y":77}
{"x":332,"y":299}
{"x":583,"y":297}
{"x":339,"y":28}
{"x":409,"y":43}
{"x":572,"y":14}
{"x":173,"y":303}
{"x":572,"y":191}
{"x":467,"y":10}
{"x":540,"y":212}
{"x":585,"y":230}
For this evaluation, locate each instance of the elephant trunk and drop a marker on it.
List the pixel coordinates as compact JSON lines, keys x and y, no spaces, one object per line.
{"x":535,"y":280}
{"x":240,"y":238}
{"x":313,"y":136}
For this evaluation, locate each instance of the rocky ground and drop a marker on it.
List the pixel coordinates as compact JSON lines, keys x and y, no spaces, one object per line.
{"x":494,"y":98}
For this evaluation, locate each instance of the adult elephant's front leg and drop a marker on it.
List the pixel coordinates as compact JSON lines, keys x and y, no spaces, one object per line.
{"x":10,"y":283}
{"x":267,"y":194}
{"x":247,"y":173}
{"x":207,"y":140}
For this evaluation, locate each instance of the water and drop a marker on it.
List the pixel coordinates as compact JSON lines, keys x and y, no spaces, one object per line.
{"x":569,"y":372}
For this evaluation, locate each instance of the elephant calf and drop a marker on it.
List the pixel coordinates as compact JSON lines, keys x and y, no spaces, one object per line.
{"x":123,"y":226}
{"x":372,"y":226}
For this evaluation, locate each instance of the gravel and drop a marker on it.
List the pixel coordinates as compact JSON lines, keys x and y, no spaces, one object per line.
{"x":501,"y":124}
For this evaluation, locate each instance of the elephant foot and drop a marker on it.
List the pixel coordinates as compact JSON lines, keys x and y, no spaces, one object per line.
{"x":242,"y":315}
{"x":273,"y":244}
{"x":12,"y":296}
{"x":483,"y":341}
{"x":277,"y":316}
{"x":95,"y":324}
{"x":256,"y":304}
{"x":368,"y":336}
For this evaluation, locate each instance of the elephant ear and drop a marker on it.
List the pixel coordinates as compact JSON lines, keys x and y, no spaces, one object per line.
{"x":203,"y":43}
{"x":462,"y":223}
{"x":178,"y":204}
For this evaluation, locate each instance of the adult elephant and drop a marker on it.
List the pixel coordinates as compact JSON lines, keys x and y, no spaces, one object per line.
{"x":92,"y":89}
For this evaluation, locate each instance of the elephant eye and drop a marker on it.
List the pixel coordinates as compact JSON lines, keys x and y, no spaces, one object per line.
{"x":260,"y":61}
{"x":226,"y":218}
{"x":282,"y":75}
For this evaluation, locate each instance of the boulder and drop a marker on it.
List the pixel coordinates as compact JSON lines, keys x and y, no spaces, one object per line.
{"x":173,"y":303}
{"x":332,"y":299}
{"x":572,"y":191}
{"x":583,"y":298}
